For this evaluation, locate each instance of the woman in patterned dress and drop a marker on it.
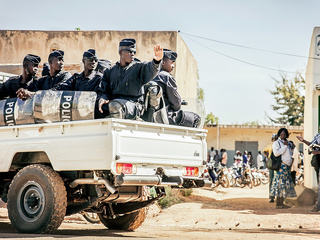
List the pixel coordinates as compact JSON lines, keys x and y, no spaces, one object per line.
{"x":282,"y":186}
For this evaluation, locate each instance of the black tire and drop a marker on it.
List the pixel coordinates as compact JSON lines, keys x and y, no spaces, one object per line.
{"x":265,"y":179}
{"x":91,"y":217}
{"x":224,"y":181}
{"x":249,"y":181}
{"x":240,"y":183}
{"x":129,"y":221}
{"x":37,"y":200}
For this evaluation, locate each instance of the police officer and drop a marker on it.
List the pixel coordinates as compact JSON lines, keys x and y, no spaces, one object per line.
{"x":45,"y":69}
{"x":88,"y":80}
{"x":172,"y":98}
{"x":103,"y":65}
{"x":9,"y":88}
{"x":56,"y":62}
{"x":122,"y":83}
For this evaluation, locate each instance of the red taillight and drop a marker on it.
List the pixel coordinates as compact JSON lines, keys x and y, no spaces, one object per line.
{"x":125,"y":168}
{"x":191,"y":171}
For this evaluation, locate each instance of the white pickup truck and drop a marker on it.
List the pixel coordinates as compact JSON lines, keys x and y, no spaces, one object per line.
{"x":103,"y":166}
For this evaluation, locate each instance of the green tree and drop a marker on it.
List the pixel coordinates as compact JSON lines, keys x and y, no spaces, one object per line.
{"x":211,"y":119}
{"x":289,"y":98}
{"x":251,"y":123}
{"x":200,"y":93}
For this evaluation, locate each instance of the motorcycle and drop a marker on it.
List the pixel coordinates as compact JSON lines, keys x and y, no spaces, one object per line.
{"x":242,"y":176}
{"x":219,"y":174}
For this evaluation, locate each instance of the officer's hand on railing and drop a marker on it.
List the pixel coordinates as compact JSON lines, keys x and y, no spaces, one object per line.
{"x":101,"y":103}
{"x":24,"y":93}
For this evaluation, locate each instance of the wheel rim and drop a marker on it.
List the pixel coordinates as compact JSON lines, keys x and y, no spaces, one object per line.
{"x":31,"y":201}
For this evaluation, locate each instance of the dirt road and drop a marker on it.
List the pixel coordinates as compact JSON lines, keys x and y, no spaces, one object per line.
{"x":231,"y":213}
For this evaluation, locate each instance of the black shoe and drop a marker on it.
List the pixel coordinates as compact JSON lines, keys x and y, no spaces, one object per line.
{"x":285,"y":206}
{"x":271,"y":200}
{"x":315,"y":209}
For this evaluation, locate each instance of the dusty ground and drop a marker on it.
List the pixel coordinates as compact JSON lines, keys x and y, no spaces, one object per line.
{"x":219,"y":213}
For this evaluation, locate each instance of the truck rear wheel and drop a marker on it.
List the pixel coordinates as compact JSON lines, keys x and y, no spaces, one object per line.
{"x":129,"y":221}
{"x":37,"y":200}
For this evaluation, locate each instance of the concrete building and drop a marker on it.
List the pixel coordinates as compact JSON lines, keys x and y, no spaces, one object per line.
{"x":312,"y":102}
{"x":14,"y":45}
{"x":246,"y":137}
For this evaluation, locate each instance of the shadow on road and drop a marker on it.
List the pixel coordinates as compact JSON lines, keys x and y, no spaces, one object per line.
{"x":7,"y":231}
{"x":254,"y":205}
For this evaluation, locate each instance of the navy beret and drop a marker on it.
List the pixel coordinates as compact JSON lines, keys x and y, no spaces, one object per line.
{"x":172,"y":55}
{"x":128,"y":42}
{"x":102,"y":65}
{"x":32,"y":58}
{"x":91,"y":53}
{"x":57,"y":54}
{"x":45,"y":69}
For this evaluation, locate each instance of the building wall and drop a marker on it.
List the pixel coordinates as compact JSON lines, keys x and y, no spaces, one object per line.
{"x":14,"y":45}
{"x":225,"y":136}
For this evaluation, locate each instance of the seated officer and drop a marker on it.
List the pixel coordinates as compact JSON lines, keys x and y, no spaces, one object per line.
{"x":123,"y":82}
{"x":88,"y":80}
{"x":103,"y":65}
{"x":9,"y":88}
{"x":172,"y":98}
{"x":56,"y":75}
{"x":45,"y":69}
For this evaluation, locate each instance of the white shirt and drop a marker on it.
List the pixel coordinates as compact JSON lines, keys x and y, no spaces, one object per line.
{"x":279,"y":148}
{"x":259,"y":160}
{"x":295,"y":160}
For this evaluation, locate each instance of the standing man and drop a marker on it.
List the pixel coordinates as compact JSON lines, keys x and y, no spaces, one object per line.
{"x":172,"y":98}
{"x":260,"y":164}
{"x":9,"y":88}
{"x":88,"y":80}
{"x":120,"y":94}
{"x":267,"y":152}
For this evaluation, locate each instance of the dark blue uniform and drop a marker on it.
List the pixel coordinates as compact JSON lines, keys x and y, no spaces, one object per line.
{"x":125,"y":85}
{"x":126,"y":82}
{"x":9,"y":88}
{"x":48,"y":82}
{"x":169,"y":90}
{"x":172,"y":99}
{"x":78,"y":82}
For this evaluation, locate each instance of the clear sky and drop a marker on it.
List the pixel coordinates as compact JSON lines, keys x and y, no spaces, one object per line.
{"x":235,"y":91}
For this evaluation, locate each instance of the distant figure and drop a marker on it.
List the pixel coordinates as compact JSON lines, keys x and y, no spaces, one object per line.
{"x":295,"y":163}
{"x":212,"y":153}
{"x":216,"y":159}
{"x":260,"y":163}
{"x":237,"y":158}
{"x":267,"y":152}
{"x":244,"y":158}
{"x":250,"y":159}
{"x":224,"y":157}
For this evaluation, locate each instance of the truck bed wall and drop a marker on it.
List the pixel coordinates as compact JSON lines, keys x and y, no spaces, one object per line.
{"x":100,"y":144}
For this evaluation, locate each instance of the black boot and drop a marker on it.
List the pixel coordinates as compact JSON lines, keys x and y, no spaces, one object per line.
{"x":278,"y":202}
{"x":282,"y":204}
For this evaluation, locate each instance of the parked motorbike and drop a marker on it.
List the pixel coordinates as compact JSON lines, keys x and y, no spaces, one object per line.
{"x":219,"y":174}
{"x":242,"y":177}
